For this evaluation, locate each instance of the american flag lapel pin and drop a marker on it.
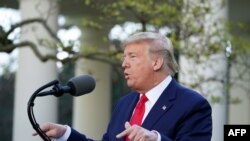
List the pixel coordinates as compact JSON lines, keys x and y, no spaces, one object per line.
{"x":164,"y":107}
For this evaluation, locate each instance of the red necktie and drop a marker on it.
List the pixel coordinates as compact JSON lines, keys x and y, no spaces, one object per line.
{"x":138,"y":112}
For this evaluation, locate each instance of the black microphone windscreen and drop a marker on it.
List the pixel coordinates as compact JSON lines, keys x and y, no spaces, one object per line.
{"x":81,"y":85}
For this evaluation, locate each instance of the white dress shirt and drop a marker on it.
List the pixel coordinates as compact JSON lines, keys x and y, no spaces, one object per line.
{"x":152,"y":95}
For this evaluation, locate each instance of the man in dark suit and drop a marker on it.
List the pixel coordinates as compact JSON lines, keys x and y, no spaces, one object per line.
{"x":171,"y":112}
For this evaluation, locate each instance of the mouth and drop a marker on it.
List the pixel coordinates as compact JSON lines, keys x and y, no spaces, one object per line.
{"x":126,"y":75}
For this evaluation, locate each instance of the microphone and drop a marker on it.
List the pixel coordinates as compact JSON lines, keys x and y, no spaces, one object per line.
{"x":76,"y":86}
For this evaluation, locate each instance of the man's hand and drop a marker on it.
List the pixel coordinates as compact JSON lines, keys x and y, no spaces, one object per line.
{"x":52,"y":130}
{"x":137,"y":133}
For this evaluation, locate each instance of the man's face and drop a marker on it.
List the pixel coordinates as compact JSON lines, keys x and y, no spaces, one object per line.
{"x":138,"y":66}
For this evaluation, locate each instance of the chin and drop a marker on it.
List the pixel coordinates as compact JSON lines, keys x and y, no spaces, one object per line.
{"x":130,"y":84}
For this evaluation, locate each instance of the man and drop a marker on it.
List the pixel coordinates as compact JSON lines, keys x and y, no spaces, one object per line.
{"x":171,"y":112}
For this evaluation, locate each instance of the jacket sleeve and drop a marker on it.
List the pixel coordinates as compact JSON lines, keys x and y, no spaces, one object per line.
{"x":76,"y":136}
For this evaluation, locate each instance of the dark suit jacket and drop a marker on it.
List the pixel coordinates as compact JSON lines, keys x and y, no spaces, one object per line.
{"x":180,"y":114}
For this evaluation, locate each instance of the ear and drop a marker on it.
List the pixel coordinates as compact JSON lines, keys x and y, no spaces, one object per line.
{"x":158,"y":63}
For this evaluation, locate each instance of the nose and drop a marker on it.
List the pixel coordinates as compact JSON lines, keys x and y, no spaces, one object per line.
{"x":124,"y":63}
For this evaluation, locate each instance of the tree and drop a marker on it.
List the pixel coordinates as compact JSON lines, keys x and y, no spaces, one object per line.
{"x":7,"y":45}
{"x":189,"y":24}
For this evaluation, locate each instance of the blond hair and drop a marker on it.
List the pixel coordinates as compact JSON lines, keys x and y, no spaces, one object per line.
{"x":158,"y":44}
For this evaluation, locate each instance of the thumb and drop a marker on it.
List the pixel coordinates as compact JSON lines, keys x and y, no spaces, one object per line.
{"x":127,"y":125}
{"x":44,"y":127}
{"x":34,"y":133}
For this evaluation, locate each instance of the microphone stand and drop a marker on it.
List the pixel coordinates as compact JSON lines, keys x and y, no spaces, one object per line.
{"x":31,"y":104}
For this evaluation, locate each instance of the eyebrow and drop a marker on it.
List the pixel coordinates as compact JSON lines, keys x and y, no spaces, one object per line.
{"x":130,"y":53}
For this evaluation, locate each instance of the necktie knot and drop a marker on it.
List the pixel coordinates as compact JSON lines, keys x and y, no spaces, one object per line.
{"x":143,"y":100}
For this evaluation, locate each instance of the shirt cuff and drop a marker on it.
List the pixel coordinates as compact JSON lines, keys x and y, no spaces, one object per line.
{"x":158,"y":135}
{"x":65,"y":136}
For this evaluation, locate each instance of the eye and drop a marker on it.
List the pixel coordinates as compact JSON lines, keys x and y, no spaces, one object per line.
{"x":129,"y":56}
{"x":132,"y":57}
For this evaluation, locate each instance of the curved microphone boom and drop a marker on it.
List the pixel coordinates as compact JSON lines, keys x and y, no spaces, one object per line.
{"x":76,"y":86}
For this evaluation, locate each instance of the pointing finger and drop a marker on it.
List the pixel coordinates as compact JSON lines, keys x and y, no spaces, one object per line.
{"x":125,"y":132}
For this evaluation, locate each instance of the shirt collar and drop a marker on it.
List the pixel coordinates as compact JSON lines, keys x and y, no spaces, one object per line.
{"x":156,"y":91}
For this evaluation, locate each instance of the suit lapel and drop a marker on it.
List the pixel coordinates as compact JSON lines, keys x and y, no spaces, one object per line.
{"x":130,"y":106}
{"x":163,"y":104}
{"x":125,"y":111}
